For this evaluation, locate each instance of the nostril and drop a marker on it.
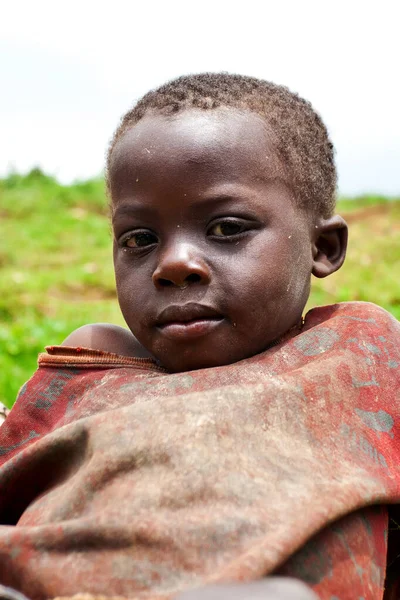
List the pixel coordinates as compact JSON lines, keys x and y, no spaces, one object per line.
{"x":193,"y":278}
{"x":164,"y":282}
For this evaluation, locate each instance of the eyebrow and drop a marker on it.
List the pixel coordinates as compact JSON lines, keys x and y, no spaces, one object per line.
{"x":136,"y":207}
{"x":131,"y":207}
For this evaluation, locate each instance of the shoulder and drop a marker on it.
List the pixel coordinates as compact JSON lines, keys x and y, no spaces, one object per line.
{"x":107,"y":337}
{"x":367,"y":312}
{"x":365,"y":316}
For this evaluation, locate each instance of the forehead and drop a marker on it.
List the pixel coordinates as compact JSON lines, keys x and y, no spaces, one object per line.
{"x":195,"y":145}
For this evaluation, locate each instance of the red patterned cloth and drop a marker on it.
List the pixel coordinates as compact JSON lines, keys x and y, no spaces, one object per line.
{"x":118,"y":478}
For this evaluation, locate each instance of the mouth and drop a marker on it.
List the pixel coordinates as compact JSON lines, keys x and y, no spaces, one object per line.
{"x":187,"y":321}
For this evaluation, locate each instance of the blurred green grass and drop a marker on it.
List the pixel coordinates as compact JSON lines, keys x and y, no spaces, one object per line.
{"x":56,"y":265}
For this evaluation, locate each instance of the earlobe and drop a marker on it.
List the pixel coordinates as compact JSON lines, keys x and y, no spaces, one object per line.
{"x":329,"y":246}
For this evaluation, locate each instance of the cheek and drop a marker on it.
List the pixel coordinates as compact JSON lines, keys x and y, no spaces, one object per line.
{"x":293,"y":285}
{"x":131,"y":278}
{"x":131,"y":292}
{"x":277,"y":278}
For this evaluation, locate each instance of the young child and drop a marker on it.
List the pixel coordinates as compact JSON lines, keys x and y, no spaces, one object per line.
{"x":220,"y":439}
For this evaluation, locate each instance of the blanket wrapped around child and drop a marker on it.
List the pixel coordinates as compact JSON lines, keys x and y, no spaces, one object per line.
{"x":118,"y":478}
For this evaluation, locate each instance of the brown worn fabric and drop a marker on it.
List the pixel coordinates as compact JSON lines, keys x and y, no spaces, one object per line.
{"x":119,"y":479}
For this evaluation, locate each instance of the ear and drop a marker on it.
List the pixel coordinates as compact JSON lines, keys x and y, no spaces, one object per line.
{"x":329,"y":245}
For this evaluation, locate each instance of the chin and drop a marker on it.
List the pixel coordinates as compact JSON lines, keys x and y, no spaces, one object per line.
{"x":180,"y":361}
{"x":180,"y":366}
{"x":193,"y":360}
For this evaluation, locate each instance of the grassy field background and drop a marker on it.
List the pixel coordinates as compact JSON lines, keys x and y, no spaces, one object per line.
{"x":56,"y":269}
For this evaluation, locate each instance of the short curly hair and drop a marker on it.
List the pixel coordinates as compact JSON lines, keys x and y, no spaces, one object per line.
{"x":301,"y":138}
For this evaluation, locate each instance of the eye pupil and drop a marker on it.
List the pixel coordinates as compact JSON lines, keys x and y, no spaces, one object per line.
{"x":140,"y":240}
{"x":227,"y":228}
{"x":230,"y":228}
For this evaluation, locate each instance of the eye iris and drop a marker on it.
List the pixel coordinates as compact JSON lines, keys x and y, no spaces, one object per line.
{"x":227,"y":228}
{"x":139,"y":240}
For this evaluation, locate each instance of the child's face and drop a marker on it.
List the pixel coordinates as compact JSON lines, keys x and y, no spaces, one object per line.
{"x":212,"y":257}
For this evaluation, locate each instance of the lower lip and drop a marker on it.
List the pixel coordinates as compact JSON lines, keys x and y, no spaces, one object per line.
{"x":189,"y":330}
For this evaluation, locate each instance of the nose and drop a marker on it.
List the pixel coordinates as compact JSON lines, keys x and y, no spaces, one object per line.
{"x":181,"y":265}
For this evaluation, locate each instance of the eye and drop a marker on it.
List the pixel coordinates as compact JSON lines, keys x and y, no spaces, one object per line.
{"x":139,"y":239}
{"x":227,"y":228}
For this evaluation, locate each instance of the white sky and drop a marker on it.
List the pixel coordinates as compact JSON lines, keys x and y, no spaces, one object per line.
{"x":68,"y":70}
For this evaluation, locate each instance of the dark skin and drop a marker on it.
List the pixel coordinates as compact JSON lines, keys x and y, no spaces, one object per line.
{"x":203,"y":217}
{"x":213,"y":257}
